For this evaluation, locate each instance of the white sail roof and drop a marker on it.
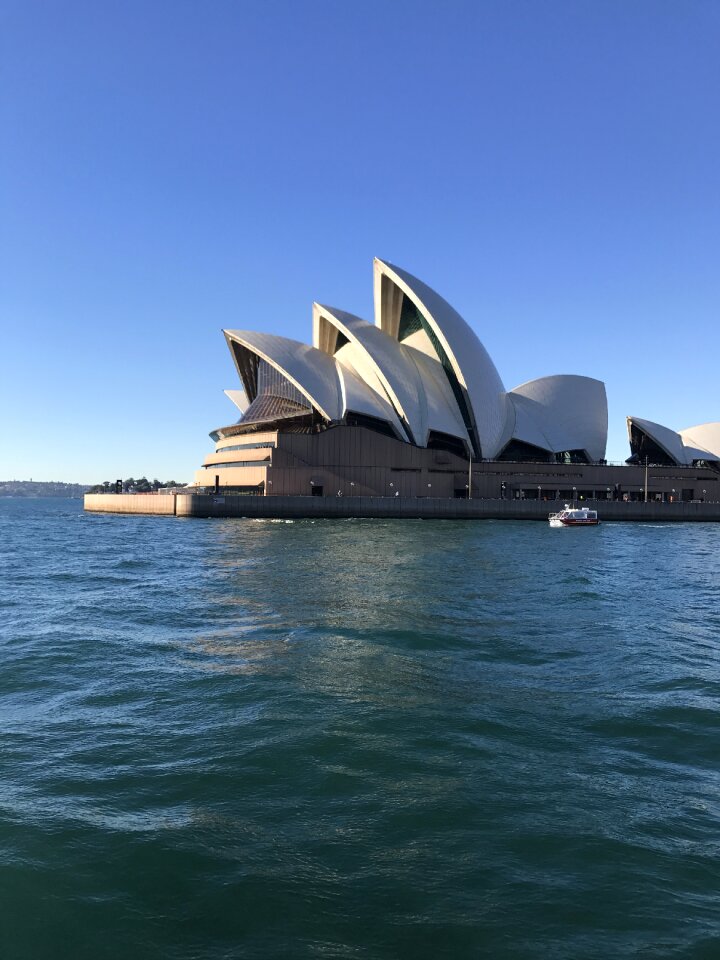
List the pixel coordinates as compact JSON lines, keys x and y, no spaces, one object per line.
{"x":239,"y":398}
{"x":330,"y":388}
{"x":523,"y":423}
{"x":702,"y":442}
{"x":466,"y":357}
{"x":414,"y":384}
{"x":667,"y":439}
{"x":372,"y":354}
{"x":566,"y":411}
{"x":358,"y":398}
{"x":439,"y":410}
{"x":311,"y":371}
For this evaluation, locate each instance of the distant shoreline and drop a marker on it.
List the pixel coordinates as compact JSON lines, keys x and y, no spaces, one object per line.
{"x":41,"y":496}
{"x":35,"y":489}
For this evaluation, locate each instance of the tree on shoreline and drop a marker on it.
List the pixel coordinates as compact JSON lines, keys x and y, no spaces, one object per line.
{"x":131,"y":485}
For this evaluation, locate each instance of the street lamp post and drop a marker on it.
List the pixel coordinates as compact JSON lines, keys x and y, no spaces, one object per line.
{"x":574,"y":494}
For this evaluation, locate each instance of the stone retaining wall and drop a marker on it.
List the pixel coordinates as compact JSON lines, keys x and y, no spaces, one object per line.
{"x":163,"y":503}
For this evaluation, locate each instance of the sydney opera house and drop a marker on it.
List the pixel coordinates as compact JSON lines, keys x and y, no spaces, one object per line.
{"x":693,"y":447}
{"x":413,"y":405}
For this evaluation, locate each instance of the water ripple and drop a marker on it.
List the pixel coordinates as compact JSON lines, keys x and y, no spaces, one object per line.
{"x":356,"y":739}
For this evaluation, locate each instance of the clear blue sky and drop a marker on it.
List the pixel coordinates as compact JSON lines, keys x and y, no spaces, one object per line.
{"x":171,"y":168}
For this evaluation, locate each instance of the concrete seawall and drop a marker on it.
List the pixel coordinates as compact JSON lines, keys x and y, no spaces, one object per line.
{"x":194,"y":505}
{"x":162,"y":503}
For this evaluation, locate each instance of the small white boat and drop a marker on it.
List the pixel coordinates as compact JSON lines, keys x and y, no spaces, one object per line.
{"x":574,"y":517}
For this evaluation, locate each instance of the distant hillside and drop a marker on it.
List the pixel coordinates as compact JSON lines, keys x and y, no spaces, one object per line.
{"x":35,"y":488}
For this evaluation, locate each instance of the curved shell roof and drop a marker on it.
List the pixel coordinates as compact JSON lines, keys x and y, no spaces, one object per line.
{"x":239,"y":398}
{"x":664,"y":437}
{"x":415,"y":384}
{"x":331,"y":389}
{"x":569,"y":412}
{"x":466,"y":356}
{"x":381,"y":359}
{"x":308,"y":369}
{"x":524,"y":423}
{"x":358,"y":398}
{"x":439,"y":409}
{"x":702,"y":441}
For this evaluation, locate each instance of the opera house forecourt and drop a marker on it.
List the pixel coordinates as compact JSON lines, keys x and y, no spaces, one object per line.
{"x":411,"y":407}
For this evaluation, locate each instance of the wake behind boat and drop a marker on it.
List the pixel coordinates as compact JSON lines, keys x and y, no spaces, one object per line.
{"x":574,"y":517}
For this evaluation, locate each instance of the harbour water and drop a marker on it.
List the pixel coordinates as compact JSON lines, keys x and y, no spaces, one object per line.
{"x":357,"y":739}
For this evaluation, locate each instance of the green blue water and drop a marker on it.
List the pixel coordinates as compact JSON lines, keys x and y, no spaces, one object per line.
{"x":357,"y":739}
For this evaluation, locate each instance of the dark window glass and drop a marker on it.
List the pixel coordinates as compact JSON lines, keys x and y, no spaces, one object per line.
{"x":239,"y":463}
{"x":572,"y":456}
{"x":270,"y":444}
{"x":517,"y":451}
{"x":443,"y":441}
{"x":353,"y":419}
